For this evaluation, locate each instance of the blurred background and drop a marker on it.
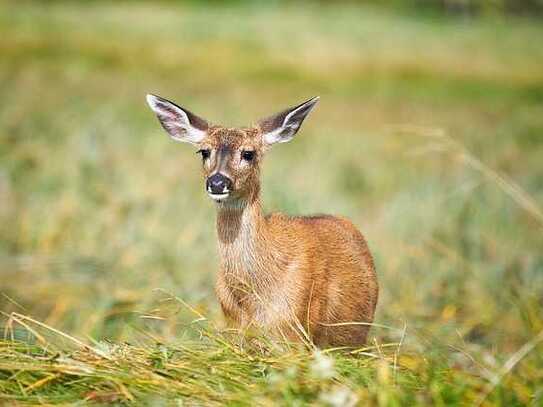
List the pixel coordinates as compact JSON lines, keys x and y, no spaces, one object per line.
{"x":428,"y":135}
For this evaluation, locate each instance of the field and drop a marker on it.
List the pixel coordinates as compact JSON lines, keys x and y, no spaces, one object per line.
{"x":428,"y":135}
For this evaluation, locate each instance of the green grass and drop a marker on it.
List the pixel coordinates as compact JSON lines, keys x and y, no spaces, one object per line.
{"x":429,"y":136}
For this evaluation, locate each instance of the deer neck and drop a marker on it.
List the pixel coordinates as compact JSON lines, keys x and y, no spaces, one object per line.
{"x":245,"y":246}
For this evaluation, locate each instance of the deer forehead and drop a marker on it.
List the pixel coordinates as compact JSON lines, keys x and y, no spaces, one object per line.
{"x":233,"y":138}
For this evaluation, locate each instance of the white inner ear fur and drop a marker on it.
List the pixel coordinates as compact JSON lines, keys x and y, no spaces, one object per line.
{"x":176,"y":124}
{"x":288,"y":128}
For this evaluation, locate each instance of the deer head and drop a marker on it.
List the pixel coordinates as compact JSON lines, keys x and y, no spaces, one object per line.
{"x":231,"y":157}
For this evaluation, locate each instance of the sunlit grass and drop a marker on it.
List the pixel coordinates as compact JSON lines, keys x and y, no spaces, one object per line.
{"x":215,"y":367}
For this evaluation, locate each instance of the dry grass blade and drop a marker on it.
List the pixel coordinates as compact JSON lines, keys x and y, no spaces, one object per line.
{"x":22,"y":319}
{"x":519,"y":195}
{"x":444,"y":143}
{"x":510,"y":365}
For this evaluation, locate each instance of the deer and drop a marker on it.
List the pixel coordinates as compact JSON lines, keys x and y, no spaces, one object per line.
{"x":304,"y":279}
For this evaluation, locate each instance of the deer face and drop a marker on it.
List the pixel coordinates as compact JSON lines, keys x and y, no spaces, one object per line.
{"x":231,"y":157}
{"x":231,"y":162}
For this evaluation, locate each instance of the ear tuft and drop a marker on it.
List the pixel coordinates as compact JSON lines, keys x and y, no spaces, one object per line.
{"x":179,"y":123}
{"x":282,"y":126}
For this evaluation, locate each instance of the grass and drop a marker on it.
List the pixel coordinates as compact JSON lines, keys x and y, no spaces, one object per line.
{"x":217,"y":369}
{"x":428,"y":136}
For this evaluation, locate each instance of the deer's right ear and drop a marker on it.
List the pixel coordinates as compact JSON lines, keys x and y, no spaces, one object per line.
{"x":179,"y":123}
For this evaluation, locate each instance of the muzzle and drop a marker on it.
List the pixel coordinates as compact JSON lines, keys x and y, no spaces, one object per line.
{"x":218,"y":186}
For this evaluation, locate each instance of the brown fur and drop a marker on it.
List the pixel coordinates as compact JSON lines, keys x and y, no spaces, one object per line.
{"x":283,"y":273}
{"x":299,"y":278}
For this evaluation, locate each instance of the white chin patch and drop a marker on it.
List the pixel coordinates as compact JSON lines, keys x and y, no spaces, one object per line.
{"x":219,"y":197}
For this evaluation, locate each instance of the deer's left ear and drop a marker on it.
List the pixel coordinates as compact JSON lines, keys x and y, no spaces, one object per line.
{"x":282,"y":127}
{"x":179,"y":123}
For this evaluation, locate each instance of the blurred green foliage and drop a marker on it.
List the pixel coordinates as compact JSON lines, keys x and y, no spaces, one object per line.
{"x":532,"y":8}
{"x":428,"y":136}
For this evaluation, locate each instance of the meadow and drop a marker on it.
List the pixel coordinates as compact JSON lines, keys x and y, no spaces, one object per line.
{"x":428,"y":136}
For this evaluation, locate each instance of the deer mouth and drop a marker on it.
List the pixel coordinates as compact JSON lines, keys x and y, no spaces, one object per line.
{"x":218,"y":187}
{"x":219,"y":197}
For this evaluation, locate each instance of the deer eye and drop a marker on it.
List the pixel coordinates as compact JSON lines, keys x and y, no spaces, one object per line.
{"x":248,"y":155}
{"x":205,"y":152}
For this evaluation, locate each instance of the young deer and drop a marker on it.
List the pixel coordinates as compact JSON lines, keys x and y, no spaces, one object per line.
{"x":302,"y":278}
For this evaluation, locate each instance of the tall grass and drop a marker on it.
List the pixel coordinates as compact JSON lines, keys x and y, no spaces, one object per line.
{"x":428,"y":136}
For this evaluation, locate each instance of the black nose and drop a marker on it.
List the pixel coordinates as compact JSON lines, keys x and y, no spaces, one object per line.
{"x":218,"y":184}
